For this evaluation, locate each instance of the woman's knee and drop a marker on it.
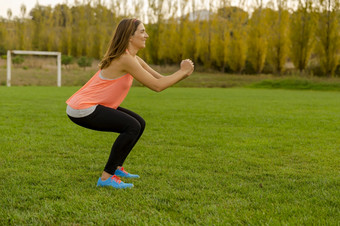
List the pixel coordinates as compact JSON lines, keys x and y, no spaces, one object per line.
{"x":134,"y":128}
{"x":142,"y":123}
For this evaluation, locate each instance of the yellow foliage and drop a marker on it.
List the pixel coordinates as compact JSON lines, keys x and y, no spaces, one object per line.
{"x":222,"y":38}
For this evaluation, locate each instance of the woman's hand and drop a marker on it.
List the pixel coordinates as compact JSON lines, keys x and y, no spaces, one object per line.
{"x":187,"y":66}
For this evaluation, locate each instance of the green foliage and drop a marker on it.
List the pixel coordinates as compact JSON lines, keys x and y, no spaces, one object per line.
{"x":169,"y":53}
{"x":3,"y":51}
{"x":84,"y":62}
{"x":224,"y":38}
{"x":257,"y":39}
{"x":67,"y":60}
{"x":337,"y":70}
{"x":150,"y":53}
{"x":65,"y":22}
{"x":203,"y":42}
{"x":303,"y":23}
{"x":169,"y":33}
{"x":237,"y":51}
{"x":188,"y":39}
{"x":2,"y":38}
{"x":218,"y":41}
{"x":329,"y":36}
{"x":239,"y":156}
{"x":18,"y":60}
{"x":236,"y":37}
{"x":297,"y":83}
{"x":278,"y":38}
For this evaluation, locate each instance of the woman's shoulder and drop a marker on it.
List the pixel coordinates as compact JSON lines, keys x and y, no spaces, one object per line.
{"x":127,"y":59}
{"x":123,"y":58}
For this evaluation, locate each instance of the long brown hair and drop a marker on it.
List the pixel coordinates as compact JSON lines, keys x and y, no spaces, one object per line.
{"x":120,"y":41}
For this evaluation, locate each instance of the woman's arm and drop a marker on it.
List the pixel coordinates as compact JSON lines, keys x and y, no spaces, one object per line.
{"x":133,"y":67}
{"x":148,"y":68}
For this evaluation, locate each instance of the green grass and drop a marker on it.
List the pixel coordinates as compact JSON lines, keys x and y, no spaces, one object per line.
{"x":207,"y":157}
{"x":298,"y":83}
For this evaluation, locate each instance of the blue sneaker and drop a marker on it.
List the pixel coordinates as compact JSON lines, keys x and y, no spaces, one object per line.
{"x":122,"y":173}
{"x":113,"y":181}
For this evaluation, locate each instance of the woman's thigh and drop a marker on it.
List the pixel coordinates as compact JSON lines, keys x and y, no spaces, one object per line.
{"x":133,"y":114}
{"x":107,"y":119}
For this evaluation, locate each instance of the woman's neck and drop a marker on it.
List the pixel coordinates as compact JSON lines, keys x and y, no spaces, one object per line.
{"x":132,"y":51}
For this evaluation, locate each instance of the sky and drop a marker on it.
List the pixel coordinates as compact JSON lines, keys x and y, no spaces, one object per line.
{"x":15,"y":5}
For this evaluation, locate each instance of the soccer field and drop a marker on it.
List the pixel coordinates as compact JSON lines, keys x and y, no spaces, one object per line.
{"x":207,"y":156}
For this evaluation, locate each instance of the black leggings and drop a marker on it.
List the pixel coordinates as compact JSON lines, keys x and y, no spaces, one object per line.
{"x":120,"y":120}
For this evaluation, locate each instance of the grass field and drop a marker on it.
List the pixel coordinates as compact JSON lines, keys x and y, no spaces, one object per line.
{"x":207,"y":157}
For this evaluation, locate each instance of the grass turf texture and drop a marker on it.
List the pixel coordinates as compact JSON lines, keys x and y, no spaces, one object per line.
{"x":299,"y":84}
{"x":208,"y":156}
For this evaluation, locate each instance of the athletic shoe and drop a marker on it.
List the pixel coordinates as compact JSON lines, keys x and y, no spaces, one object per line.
{"x":122,"y":173}
{"x":113,"y":181}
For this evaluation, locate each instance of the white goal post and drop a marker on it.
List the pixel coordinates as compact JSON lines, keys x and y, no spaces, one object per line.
{"x":9,"y":62}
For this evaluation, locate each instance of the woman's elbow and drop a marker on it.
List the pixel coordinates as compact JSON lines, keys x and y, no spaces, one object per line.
{"x":157,"y":87}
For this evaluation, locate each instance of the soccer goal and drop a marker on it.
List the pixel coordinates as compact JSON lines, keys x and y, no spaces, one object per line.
{"x":24,"y":52}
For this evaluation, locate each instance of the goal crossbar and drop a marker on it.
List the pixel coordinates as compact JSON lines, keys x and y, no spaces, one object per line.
{"x":25,"y":52}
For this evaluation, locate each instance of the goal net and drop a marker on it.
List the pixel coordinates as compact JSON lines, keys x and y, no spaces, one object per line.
{"x":24,"y":52}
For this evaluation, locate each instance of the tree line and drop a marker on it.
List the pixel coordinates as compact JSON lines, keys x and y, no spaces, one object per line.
{"x":224,"y":37}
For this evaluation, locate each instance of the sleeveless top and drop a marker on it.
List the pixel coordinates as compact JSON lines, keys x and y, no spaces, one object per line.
{"x":98,"y":90}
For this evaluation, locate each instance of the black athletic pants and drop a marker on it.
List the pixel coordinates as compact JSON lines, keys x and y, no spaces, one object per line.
{"x":120,"y":120}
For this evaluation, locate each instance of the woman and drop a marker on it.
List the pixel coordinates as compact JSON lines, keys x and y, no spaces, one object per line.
{"x":96,"y":104}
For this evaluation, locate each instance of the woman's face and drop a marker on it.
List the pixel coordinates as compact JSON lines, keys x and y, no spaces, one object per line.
{"x":139,"y":37}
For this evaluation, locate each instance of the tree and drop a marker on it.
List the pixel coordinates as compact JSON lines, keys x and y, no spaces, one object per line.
{"x":220,"y":38}
{"x":257,"y":39}
{"x":202,"y":32}
{"x":174,"y":37}
{"x":203,"y":41}
{"x":21,"y":28}
{"x":3,"y":38}
{"x":237,"y":20}
{"x":67,"y":36}
{"x":187,"y":37}
{"x":39,"y":28}
{"x":278,"y":37}
{"x":84,"y":62}
{"x":302,"y":32}
{"x":154,"y":29}
{"x":150,"y":53}
{"x":58,"y":27}
{"x":103,"y":20}
{"x":67,"y":60}
{"x":219,"y":41}
{"x":80,"y":27}
{"x":10,"y":32}
{"x":169,"y":46}
{"x":51,"y":33}
{"x":17,"y":60}
{"x":328,"y":36}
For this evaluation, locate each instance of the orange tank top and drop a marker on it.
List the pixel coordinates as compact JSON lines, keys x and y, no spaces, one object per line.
{"x":107,"y":92}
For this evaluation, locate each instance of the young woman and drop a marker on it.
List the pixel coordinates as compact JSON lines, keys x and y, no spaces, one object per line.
{"x":96,"y":105}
